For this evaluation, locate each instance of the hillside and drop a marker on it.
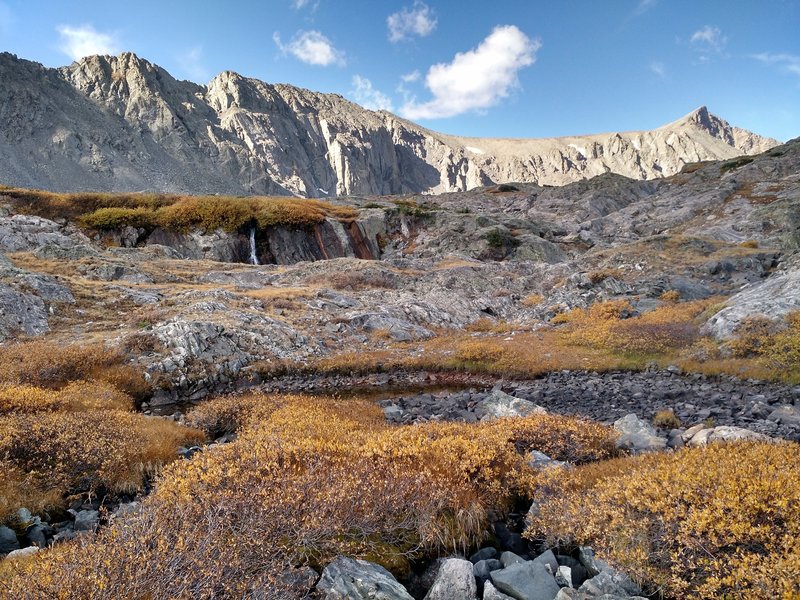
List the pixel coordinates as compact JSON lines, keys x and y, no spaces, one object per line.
{"x":121,"y":123}
{"x":587,"y":391}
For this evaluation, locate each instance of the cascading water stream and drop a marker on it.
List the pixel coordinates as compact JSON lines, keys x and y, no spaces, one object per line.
{"x":253,"y":256}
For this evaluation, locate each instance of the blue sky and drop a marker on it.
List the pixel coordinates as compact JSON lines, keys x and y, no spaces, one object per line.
{"x":509,"y":68}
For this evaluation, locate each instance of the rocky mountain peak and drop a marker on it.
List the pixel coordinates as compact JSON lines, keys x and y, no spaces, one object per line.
{"x":718,"y":128}
{"x":122,"y":123}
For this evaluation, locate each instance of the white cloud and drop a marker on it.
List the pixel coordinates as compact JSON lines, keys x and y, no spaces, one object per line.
{"x":418,"y":20}
{"x":708,"y":40}
{"x":658,"y":68}
{"x":191,"y":62}
{"x":311,"y":47}
{"x":476,"y":79}
{"x":786,"y":62}
{"x":300,"y":4}
{"x":367,"y":96}
{"x":411,"y":77}
{"x":77,"y":42}
{"x":644,"y":6}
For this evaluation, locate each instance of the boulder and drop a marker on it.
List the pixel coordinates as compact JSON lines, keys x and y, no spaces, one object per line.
{"x":8,"y":540}
{"x":22,"y":553}
{"x":501,"y":405}
{"x":564,"y":576}
{"x":540,"y":460}
{"x":354,"y":579}
{"x":548,"y":559}
{"x":509,"y":558}
{"x":483,"y":554}
{"x":786,"y":415}
{"x":603,"y":584}
{"x":25,"y":233}
{"x":776,"y":296}
{"x":87,"y":520}
{"x":21,"y":313}
{"x":288,"y":585}
{"x":593,"y":565}
{"x":638,"y":436}
{"x":492,"y":593}
{"x":510,"y":540}
{"x":526,"y":581}
{"x":724,"y":433}
{"x":483,"y":568}
{"x":455,"y":581}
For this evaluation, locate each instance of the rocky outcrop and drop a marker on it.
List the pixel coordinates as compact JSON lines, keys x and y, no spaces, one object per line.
{"x":122,"y":123}
{"x":773,"y":298}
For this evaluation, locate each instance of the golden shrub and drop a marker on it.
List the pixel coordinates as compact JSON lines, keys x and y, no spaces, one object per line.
{"x":669,"y":327}
{"x":27,"y":399}
{"x":782,"y":350}
{"x":666,"y":419}
{"x":116,"y":218}
{"x":109,"y":211}
{"x":532,"y":300}
{"x":704,"y":523}
{"x":18,"y":488}
{"x":670,"y":296}
{"x":208,"y":213}
{"x":306,"y":479}
{"x":112,"y":450}
{"x":49,"y":364}
{"x":73,"y":397}
{"x":225,"y":414}
{"x":479,"y":351}
{"x":751,"y":334}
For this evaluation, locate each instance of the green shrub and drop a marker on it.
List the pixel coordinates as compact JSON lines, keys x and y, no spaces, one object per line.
{"x":501,"y":238}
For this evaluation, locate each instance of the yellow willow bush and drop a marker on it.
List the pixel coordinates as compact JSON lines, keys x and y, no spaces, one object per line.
{"x":18,"y":488}
{"x":307,"y":479}
{"x":225,"y":414}
{"x":76,"y":396}
{"x":671,"y":326}
{"x":52,"y":365}
{"x":709,"y":522}
{"x":111,"y":450}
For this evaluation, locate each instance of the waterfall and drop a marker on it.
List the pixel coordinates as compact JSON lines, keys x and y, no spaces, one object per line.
{"x":253,"y":256}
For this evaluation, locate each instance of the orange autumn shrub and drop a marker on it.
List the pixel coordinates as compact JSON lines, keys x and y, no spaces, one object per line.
{"x":94,"y":450}
{"x":613,"y":326}
{"x":306,"y":479}
{"x":48,"y":364}
{"x":76,"y":396}
{"x":702,"y":523}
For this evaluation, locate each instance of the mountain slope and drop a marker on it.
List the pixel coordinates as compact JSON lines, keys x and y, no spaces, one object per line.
{"x":124,"y":124}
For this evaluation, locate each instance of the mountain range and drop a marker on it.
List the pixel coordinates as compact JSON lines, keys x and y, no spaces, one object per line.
{"x":121,"y":123}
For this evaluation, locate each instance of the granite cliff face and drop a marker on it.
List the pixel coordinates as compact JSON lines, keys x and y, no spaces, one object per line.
{"x":124,"y":124}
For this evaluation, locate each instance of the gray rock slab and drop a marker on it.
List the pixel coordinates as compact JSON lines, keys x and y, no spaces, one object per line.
{"x":353,"y":579}
{"x":526,"y":581}
{"x":501,"y":405}
{"x":492,"y":593}
{"x":8,"y":540}
{"x":786,"y":415}
{"x":454,"y":581}
{"x":637,"y":436}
